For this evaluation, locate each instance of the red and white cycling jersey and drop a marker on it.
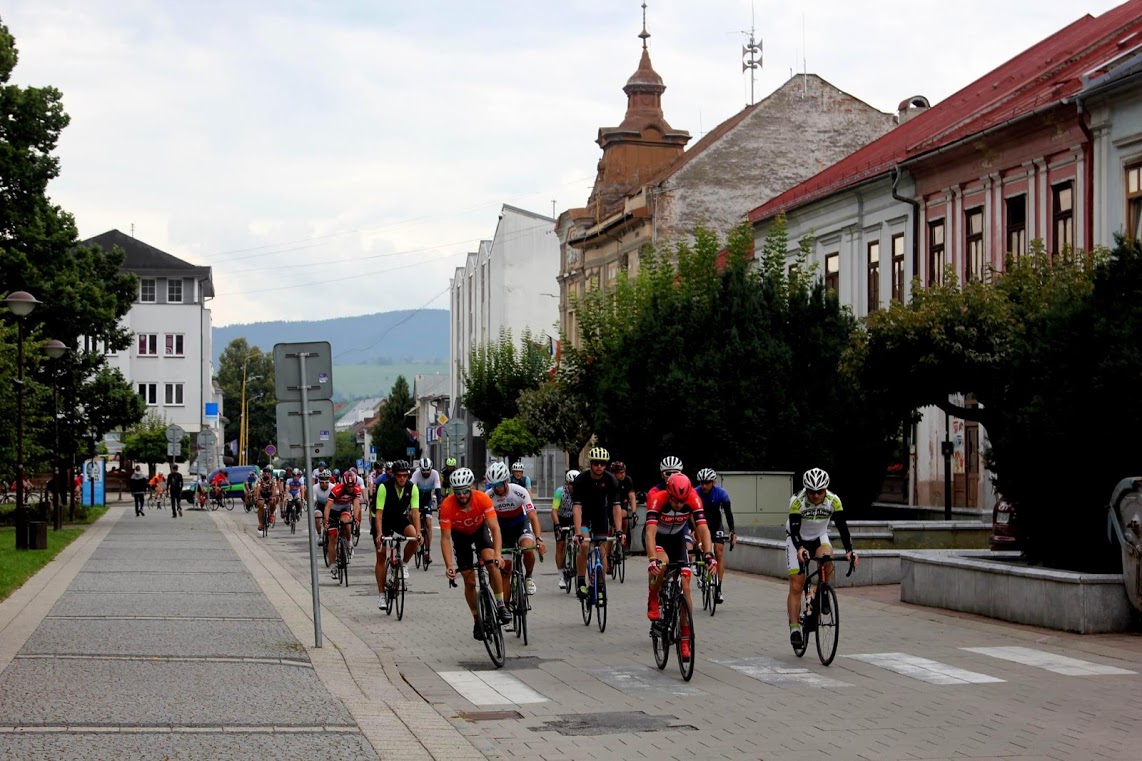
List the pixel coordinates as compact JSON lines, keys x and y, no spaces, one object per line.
{"x":513,"y":506}
{"x":671,"y":519}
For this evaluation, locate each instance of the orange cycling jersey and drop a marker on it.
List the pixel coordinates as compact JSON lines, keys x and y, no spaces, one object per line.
{"x":466,"y":521}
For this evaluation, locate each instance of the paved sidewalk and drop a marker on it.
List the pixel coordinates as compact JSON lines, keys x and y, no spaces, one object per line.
{"x":150,"y":638}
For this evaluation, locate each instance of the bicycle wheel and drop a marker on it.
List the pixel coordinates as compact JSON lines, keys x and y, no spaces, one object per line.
{"x":828,"y":626}
{"x":601,"y":600}
{"x":704,"y":585}
{"x":356,"y":533}
{"x":343,"y":560}
{"x":399,"y":593}
{"x":519,"y":612}
{"x":586,"y":603}
{"x":684,"y":634}
{"x":229,"y":502}
{"x":292,"y":521}
{"x":417,"y":556}
{"x":715,"y":588}
{"x":622,"y":564}
{"x":800,"y":651}
{"x":660,"y":635}
{"x":493,"y":632}
{"x":324,"y":552}
{"x":266,"y":524}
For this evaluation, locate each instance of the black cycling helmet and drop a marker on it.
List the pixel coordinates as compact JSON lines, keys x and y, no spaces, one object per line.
{"x":401,"y":466}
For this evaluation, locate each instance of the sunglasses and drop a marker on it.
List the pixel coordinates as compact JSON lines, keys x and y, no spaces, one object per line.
{"x":814,"y":491}
{"x":704,"y":483}
{"x":462,"y":492}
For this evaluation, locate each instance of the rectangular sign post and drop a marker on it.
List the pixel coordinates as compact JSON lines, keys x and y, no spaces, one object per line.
{"x":305,"y":382}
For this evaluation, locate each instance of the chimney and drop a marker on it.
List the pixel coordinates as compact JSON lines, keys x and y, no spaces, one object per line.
{"x":911,"y":107}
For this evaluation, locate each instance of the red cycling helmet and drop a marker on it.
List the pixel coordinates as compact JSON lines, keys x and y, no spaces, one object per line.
{"x":679,"y":487}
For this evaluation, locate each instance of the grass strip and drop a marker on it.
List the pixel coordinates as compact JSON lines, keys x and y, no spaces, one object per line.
{"x":17,"y":566}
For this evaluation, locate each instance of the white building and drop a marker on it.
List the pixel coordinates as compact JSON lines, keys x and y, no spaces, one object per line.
{"x":170,"y":360}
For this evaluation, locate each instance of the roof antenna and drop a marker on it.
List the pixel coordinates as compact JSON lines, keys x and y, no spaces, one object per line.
{"x":751,"y":55}
{"x":645,"y":35}
{"x":132,"y":229}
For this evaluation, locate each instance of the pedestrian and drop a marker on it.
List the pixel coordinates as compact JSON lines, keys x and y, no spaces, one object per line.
{"x":138,"y":488}
{"x":174,"y":484}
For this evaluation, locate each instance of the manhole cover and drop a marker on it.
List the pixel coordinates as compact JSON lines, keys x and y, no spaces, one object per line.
{"x":510,"y":664}
{"x":592,"y":724}
{"x":489,"y":715}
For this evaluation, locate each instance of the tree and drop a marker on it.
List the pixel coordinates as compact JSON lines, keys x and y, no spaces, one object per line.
{"x":346,"y":452}
{"x":511,"y":440}
{"x":555,"y":413}
{"x":146,"y":441}
{"x":84,"y":292}
{"x":236,"y":360}
{"x":498,"y":373}
{"x":391,"y":436}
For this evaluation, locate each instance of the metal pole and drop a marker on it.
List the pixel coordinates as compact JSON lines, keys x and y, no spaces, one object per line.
{"x":21,"y":518}
{"x":305,"y":441}
{"x":57,"y":476}
{"x":947,"y":467}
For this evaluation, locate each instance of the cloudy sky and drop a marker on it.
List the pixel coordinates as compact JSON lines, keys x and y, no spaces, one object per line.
{"x":299,"y":145}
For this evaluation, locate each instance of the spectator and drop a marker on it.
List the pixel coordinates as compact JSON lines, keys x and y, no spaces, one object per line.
{"x":138,"y":488}
{"x":174,"y":485}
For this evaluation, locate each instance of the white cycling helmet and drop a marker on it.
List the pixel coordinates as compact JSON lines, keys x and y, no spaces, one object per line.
{"x":670,"y":463}
{"x":497,"y":473}
{"x":425,"y":464}
{"x":707,"y":474}
{"x":815,"y":478}
{"x":517,"y":465}
{"x":325,"y":475}
{"x":462,"y":478}
{"x":572,"y":475}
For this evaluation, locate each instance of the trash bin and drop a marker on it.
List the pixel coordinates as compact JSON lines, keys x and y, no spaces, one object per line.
{"x":37,"y":535}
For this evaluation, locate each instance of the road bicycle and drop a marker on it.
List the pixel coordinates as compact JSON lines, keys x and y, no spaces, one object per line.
{"x":343,"y":552}
{"x":394,"y":574}
{"x":292,"y":513}
{"x":675,"y":624}
{"x":708,"y":581}
{"x":563,"y":533}
{"x":618,"y":559}
{"x":596,"y":599}
{"x":218,"y":499}
{"x":820,"y":613}
{"x":422,"y":557}
{"x":520,"y":602}
{"x":486,"y":617}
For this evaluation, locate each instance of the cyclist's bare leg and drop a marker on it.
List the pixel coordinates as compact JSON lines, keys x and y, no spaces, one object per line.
{"x":411,"y":545}
{"x":470,"y":590}
{"x":261,"y":503}
{"x":793,"y":602}
{"x":606,"y":550}
{"x":827,"y":569}
{"x":497,"y":585}
{"x":528,"y":557}
{"x":719,"y":552}
{"x":427,"y":519}
{"x":581,"y":559}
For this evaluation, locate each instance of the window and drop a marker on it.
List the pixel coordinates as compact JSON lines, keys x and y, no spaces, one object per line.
{"x":873,"y":275}
{"x":973,"y":231}
{"x":937,"y":260}
{"x":898,"y":267}
{"x":149,"y":392}
{"x":174,"y":290}
{"x":833,"y":272}
{"x":147,"y":290}
{"x":173,"y":394}
{"x":148,"y":344}
{"x":1064,"y":217}
{"x":174,"y":344}
{"x":1134,"y":202}
{"x":1017,"y":226}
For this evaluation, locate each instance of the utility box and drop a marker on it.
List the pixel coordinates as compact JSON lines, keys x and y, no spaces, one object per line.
{"x":37,"y":535}
{"x":759,"y":498}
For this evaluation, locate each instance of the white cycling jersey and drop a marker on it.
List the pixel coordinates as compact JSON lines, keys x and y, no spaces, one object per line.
{"x":513,"y":506}
{"x":814,"y":518}
{"x":320,"y":495}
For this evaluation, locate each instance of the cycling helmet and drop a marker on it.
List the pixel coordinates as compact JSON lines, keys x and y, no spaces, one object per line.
{"x":517,"y":465}
{"x":670,"y":463}
{"x":297,"y":471}
{"x":598,"y":454}
{"x":679,"y":487}
{"x":267,"y":469}
{"x":450,"y":462}
{"x":336,"y":473}
{"x":401,"y":466}
{"x":462,"y":478}
{"x":388,"y":465}
{"x":815,"y":478}
{"x":572,"y":475}
{"x":349,"y":478}
{"x":321,"y":464}
{"x":707,"y":474}
{"x":497,"y":473}
{"x":618,"y":466}
{"x":324,"y":475}
{"x":425,"y":463}
{"x":353,"y":471}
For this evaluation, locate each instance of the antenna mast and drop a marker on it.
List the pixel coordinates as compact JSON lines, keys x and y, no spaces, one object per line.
{"x":751,"y":56}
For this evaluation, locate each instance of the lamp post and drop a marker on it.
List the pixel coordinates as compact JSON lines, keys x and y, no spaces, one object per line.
{"x":56,"y":349}
{"x":20,"y":304}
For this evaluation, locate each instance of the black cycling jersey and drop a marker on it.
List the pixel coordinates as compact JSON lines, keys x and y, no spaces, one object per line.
{"x":626,"y":486}
{"x":595,"y":495}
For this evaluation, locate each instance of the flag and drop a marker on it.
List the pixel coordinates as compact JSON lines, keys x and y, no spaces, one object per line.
{"x":233,"y":445}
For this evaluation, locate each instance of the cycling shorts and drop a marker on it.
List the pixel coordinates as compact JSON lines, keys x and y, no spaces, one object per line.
{"x":465,"y":547}
{"x":567,"y":522}
{"x":719,"y":536}
{"x":393,"y":522}
{"x":674,"y":545}
{"x":599,"y":522}
{"x":510,"y":535}
{"x":810,"y":544}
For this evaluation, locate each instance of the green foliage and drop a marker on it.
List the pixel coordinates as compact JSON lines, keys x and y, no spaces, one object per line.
{"x":498,"y":373}
{"x":240,"y":360}
{"x":738,"y":368}
{"x":346,"y":451}
{"x":391,"y":434}
{"x":146,"y":442}
{"x":512,"y":439}
{"x":555,"y":413}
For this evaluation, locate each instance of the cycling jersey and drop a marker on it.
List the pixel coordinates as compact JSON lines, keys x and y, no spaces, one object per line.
{"x":596,"y":497}
{"x":343,"y":494}
{"x":713,"y":503}
{"x":626,"y":486}
{"x":398,"y":500}
{"x":446,"y":479}
{"x":427,"y":485}
{"x":266,"y":486}
{"x":561,"y":503}
{"x":672,"y":519}
{"x":523,"y":481}
{"x":513,"y":506}
{"x":321,"y":496}
{"x":807,"y":521}
{"x":456,"y":519}
{"x":294,"y":486}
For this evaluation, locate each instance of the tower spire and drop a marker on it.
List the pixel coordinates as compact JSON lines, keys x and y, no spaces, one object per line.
{"x":645,"y":35}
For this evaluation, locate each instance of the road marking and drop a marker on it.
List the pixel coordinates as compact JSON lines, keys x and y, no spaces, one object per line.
{"x":923,"y":669}
{"x":484,"y":688}
{"x":1060,"y":664}
{"x":639,"y":680}
{"x":777,"y":673}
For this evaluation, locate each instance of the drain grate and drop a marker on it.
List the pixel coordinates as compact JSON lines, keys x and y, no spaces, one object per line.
{"x":510,"y":664}
{"x":489,"y":715}
{"x":592,"y":724}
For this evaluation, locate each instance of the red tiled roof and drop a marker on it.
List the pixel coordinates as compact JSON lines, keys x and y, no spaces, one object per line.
{"x":1044,"y":74}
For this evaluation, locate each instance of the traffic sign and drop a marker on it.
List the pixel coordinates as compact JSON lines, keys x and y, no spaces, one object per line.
{"x":271,"y":450}
{"x":175,"y":434}
{"x":318,"y":371}
{"x":174,"y":450}
{"x":290,"y":430}
{"x":206,"y":438}
{"x":456,"y":428}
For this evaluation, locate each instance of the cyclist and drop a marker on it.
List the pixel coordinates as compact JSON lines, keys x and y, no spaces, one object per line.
{"x":427,"y":480}
{"x":518,"y":478}
{"x":519,"y":523}
{"x":627,"y":500}
{"x":157,"y":486}
{"x":249,"y":488}
{"x":807,"y":534}
{"x":595,"y":508}
{"x":321,"y":493}
{"x":667,"y":515}
{"x":200,"y":492}
{"x":668,"y":467}
{"x":317,"y":471}
{"x":715,"y":499}
{"x":446,"y":476}
{"x":344,"y":502}
{"x":295,"y":491}
{"x":267,"y":498}
{"x":562,"y":517}
{"x":219,"y":484}
{"x":468,"y":521}
{"x":395,"y":512}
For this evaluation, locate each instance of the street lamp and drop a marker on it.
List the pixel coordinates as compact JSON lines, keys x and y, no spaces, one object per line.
{"x":56,"y":349}
{"x":20,"y":304}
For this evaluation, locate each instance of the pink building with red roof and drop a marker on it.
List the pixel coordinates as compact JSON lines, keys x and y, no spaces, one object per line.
{"x":1008,"y":159}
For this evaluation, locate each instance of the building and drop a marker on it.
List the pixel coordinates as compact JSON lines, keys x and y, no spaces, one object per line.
{"x":431,"y":394}
{"x":954,"y":189}
{"x":505,"y":285}
{"x":650,"y":190}
{"x":170,"y":361}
